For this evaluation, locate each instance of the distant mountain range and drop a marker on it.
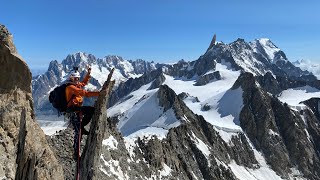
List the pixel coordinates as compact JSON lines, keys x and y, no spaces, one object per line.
{"x":38,"y":71}
{"x":308,"y":66}
{"x":57,"y":73}
{"x":240,"y":111}
{"x":257,"y":57}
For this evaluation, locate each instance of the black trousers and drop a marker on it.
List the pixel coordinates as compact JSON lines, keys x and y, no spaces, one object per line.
{"x":87,"y":112}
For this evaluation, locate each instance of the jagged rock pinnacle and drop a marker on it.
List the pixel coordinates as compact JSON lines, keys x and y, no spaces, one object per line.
{"x":213,"y":42}
{"x":25,"y":153}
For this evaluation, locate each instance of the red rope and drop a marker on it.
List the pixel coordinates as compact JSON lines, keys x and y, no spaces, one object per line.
{"x":79,"y":145}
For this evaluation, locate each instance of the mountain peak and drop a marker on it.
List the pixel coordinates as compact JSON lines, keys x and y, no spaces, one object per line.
{"x":265,"y":47}
{"x":263,"y":40}
{"x":78,"y":59}
{"x":213,"y":42}
{"x":81,"y":56}
{"x":267,"y":43}
{"x":113,"y":59}
{"x":240,"y":40}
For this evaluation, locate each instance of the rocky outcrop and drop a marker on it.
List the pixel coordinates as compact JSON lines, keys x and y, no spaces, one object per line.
{"x":157,"y":82}
{"x":188,"y":70}
{"x":312,"y":120}
{"x":62,"y":145}
{"x":277,"y":131}
{"x":314,"y":105}
{"x":276,"y":84}
{"x":90,"y":158}
{"x":213,"y":42}
{"x":124,"y":88}
{"x":260,"y":125}
{"x":25,"y":153}
{"x":205,"y":79}
{"x":141,"y":66}
{"x":6,"y":40}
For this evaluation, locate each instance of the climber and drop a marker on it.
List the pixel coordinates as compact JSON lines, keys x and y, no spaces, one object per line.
{"x":74,"y":97}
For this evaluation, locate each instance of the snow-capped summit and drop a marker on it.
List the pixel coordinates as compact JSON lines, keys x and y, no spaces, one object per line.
{"x":265,"y":47}
{"x":78,"y":59}
{"x":258,"y":57}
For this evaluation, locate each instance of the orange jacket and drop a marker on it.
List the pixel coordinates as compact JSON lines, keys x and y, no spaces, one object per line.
{"x":76,"y":92}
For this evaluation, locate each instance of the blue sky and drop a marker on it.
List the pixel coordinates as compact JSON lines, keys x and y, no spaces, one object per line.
{"x":162,"y":31}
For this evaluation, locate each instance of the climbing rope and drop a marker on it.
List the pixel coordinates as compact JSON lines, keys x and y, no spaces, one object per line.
{"x":79,"y":145}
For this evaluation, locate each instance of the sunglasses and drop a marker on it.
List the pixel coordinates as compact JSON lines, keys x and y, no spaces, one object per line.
{"x":76,"y":79}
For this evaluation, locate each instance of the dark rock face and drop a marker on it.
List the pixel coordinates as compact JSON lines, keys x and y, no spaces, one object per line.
{"x":157,"y":82}
{"x":258,"y":123}
{"x":302,"y":152}
{"x":141,"y":67}
{"x":275,"y":85}
{"x":205,"y":107}
{"x":62,"y":146}
{"x":205,"y":79}
{"x":189,"y":70}
{"x":269,"y":83}
{"x":314,"y":106}
{"x":21,"y":158}
{"x":167,"y":97}
{"x":312,"y":123}
{"x":124,"y":88}
{"x":184,"y":95}
{"x":213,"y":42}
{"x":241,"y":147}
{"x":276,"y":130}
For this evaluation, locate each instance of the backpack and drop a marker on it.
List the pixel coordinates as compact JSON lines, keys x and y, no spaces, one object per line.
{"x":58,"y":98}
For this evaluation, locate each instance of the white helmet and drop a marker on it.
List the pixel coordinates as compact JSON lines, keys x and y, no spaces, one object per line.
{"x":74,"y":75}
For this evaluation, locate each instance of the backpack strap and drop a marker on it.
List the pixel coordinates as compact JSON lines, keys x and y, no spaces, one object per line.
{"x":68,"y":84}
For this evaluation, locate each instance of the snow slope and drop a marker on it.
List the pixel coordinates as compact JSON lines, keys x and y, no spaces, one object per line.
{"x":223,"y":112}
{"x":141,"y":109}
{"x":294,"y":96}
{"x":147,"y":113}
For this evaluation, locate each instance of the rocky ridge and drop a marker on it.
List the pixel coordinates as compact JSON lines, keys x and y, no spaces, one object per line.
{"x":25,"y":153}
{"x":278,"y":131}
